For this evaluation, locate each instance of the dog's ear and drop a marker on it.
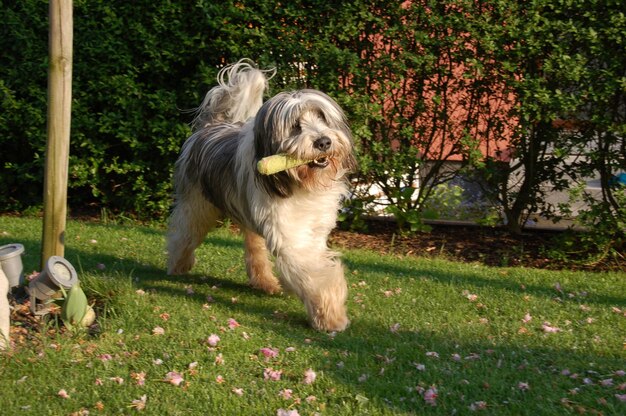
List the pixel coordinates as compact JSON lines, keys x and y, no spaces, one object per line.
{"x":266,"y":144}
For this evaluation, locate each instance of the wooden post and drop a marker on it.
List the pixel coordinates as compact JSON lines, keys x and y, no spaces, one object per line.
{"x":59,"y":117}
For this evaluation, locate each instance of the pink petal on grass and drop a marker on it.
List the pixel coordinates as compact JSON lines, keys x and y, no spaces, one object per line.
{"x":118,"y":380}
{"x":549,"y":329}
{"x":212,"y":340}
{"x":419,"y":366}
{"x":63,"y":394}
{"x":606,"y":382}
{"x":285,"y":393}
{"x":523,"y":386}
{"x":283,"y":412}
{"x":269,"y":353}
{"x":140,"y":378}
{"x":480,"y":405}
{"x":174,"y":378}
{"x":219,"y":359}
{"x":237,"y":391}
{"x":271,"y":374}
{"x":158,"y":331}
{"x":621,"y":397}
{"x":140,"y":403}
{"x":430,"y":396}
{"x":232,"y":324}
{"x":309,"y":376}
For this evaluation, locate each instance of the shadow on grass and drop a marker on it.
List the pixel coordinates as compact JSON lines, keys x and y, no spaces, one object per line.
{"x":475,"y":279}
{"x":379,"y":367}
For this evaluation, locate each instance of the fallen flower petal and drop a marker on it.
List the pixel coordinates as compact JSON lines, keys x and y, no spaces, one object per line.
{"x":271,"y":374}
{"x":283,"y":412}
{"x":548,"y":328}
{"x":285,"y":393}
{"x":607,"y":382}
{"x":140,"y":403}
{"x":419,"y":366}
{"x":63,"y":394}
{"x":232,"y":324}
{"x":309,"y":376}
{"x":212,"y":340}
{"x":219,"y":360}
{"x":237,"y":391}
{"x":430,"y":396}
{"x":158,"y":331}
{"x":140,"y":378}
{"x":523,"y":386}
{"x":621,"y":397}
{"x":478,"y":406}
{"x":174,"y":378}
{"x":118,"y":380}
{"x":269,"y":353}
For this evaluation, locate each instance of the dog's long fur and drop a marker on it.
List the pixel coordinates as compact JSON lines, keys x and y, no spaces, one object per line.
{"x":288,"y":215}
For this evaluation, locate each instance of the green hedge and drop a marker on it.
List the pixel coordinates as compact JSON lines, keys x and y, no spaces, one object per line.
{"x":138,"y":68}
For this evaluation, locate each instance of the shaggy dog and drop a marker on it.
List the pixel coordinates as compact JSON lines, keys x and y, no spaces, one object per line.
{"x":287,"y":215}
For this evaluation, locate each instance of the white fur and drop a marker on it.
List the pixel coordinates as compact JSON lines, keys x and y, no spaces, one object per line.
{"x":289,"y":215}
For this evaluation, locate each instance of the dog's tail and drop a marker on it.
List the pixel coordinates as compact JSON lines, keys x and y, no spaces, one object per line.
{"x":237,"y":97}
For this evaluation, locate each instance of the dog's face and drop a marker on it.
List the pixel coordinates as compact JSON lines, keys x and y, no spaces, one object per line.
{"x":308,"y":125}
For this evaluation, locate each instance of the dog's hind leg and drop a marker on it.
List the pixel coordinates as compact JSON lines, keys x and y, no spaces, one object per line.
{"x":192,"y":218}
{"x":258,"y":264}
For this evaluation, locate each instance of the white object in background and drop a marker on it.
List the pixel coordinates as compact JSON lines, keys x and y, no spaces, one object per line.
{"x":11,"y":263}
{"x":4,"y":312}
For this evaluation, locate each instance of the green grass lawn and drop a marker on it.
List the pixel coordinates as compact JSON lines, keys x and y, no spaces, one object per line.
{"x":427,"y":337}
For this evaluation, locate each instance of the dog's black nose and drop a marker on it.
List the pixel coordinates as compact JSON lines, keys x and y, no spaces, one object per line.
{"x":322,"y":144}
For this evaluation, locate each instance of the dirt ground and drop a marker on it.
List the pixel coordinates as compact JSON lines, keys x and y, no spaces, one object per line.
{"x":486,"y":245}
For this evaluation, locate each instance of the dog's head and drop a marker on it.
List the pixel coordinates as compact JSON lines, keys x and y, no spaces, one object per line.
{"x":308,"y":125}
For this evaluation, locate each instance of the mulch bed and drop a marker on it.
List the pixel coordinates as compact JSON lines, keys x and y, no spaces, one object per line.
{"x":491,"y":246}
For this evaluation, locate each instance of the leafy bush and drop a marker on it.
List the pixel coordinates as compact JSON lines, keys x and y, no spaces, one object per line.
{"x":422,"y":82}
{"x":138,"y":68}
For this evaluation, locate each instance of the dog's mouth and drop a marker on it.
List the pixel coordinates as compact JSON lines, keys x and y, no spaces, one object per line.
{"x":320,"y":162}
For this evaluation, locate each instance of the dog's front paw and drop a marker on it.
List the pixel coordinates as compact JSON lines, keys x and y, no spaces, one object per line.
{"x":324,"y":321}
{"x":269,"y":286}
{"x":181,"y":266}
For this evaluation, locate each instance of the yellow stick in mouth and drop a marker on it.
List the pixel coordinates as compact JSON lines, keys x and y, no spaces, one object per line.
{"x":277,"y":163}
